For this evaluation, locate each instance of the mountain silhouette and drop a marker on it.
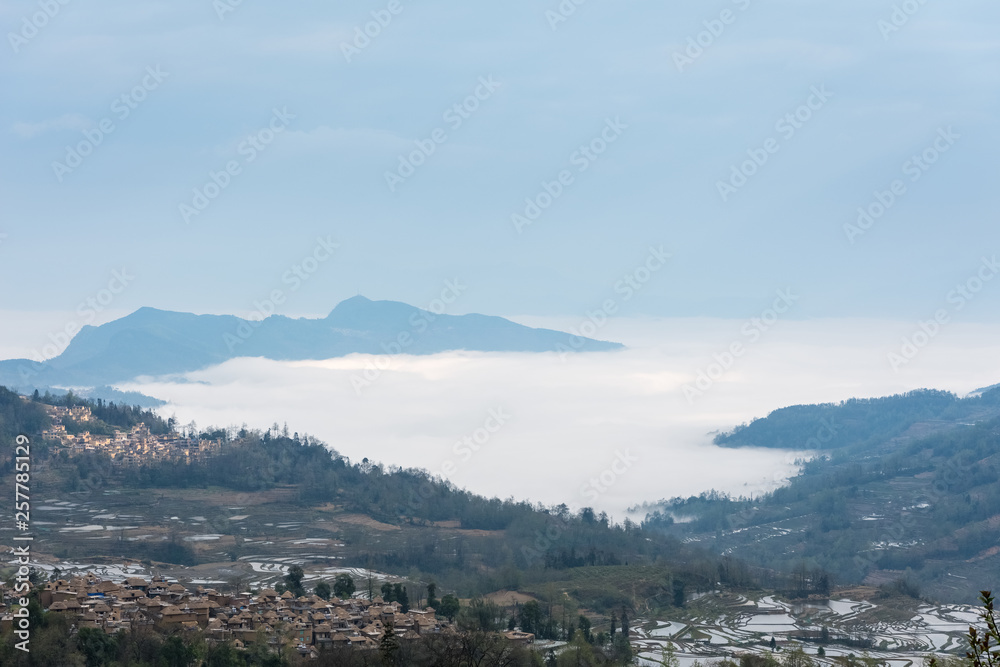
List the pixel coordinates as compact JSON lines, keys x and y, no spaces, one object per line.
{"x":152,"y":342}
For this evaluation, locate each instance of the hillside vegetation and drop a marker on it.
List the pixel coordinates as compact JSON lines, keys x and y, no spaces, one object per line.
{"x":908,"y":492}
{"x":294,"y":489}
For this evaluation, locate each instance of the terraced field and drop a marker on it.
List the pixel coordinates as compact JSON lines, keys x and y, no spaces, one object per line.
{"x":252,"y":543}
{"x":719,"y":625}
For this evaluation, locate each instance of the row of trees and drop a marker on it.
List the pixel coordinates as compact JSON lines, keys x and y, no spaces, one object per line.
{"x":343,"y":585}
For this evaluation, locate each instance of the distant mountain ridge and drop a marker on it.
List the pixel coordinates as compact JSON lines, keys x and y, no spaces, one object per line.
{"x":152,"y":342}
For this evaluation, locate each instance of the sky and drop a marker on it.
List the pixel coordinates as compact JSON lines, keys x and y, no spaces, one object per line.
{"x":197,"y":155}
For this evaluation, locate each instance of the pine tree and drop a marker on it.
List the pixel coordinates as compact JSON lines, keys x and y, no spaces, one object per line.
{"x":388,"y":646}
{"x":397,"y":593}
{"x":432,"y":600}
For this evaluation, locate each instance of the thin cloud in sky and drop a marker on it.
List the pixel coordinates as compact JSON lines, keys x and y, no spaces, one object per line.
{"x":355,"y":117}
{"x":70,"y":121}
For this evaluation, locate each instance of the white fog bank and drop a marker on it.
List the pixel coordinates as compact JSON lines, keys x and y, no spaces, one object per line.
{"x":606,"y":430}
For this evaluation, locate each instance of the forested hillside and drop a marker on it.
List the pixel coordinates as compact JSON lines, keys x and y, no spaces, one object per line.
{"x":909,"y":491}
{"x":858,"y":422}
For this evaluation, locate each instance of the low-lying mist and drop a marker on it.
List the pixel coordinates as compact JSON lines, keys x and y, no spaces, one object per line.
{"x":606,"y":430}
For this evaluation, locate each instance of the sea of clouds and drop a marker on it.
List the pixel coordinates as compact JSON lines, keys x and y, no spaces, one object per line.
{"x":606,"y":430}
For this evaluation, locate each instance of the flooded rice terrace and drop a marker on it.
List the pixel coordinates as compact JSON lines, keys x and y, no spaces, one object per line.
{"x":729,"y":624}
{"x":259,"y":560}
{"x":713,"y":625}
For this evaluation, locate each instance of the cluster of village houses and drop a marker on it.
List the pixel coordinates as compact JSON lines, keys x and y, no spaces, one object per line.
{"x":308,"y":622}
{"x":133,"y":447}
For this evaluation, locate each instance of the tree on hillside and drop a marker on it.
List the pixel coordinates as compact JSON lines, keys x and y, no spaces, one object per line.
{"x":388,"y":646}
{"x":483,"y":615}
{"x":432,"y":600}
{"x":176,"y":653}
{"x":449,"y":607}
{"x":323,"y":590}
{"x":343,"y":586}
{"x":669,"y":657}
{"x":97,"y":647}
{"x":678,"y":589}
{"x":400,"y":596}
{"x":293,"y":580}
{"x":531,"y":617}
{"x":797,"y":657}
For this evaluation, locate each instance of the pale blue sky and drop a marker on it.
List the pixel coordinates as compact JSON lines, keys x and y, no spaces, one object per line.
{"x":656,"y":184}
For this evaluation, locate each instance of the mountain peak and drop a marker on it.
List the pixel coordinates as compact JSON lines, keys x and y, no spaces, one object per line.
{"x":360,"y":311}
{"x":351,"y":304}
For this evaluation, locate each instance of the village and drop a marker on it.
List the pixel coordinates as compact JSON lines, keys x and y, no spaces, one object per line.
{"x":134,"y":447}
{"x":307,"y":623}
